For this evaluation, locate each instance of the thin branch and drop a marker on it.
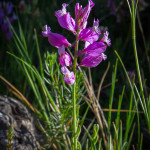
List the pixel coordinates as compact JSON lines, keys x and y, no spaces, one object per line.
{"x":116,"y":110}
{"x":102,"y":80}
{"x":129,"y":7}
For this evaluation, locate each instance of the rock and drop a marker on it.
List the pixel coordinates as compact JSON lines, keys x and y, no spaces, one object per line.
{"x":13,"y":112}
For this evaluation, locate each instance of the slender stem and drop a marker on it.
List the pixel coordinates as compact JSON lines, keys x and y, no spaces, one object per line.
{"x":76,"y":51}
{"x":134,"y":47}
{"x":74,"y":118}
{"x":135,"y":51}
{"x":133,"y":18}
{"x":129,"y":7}
{"x":74,"y":93}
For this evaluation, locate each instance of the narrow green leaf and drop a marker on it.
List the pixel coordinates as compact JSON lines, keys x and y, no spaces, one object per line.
{"x":84,"y":116}
{"x":130,"y":138}
{"x":39,"y":55}
{"x":112,"y":95}
{"x":39,"y":79}
{"x":119,"y":107}
{"x":141,"y":141}
{"x":120,"y":136}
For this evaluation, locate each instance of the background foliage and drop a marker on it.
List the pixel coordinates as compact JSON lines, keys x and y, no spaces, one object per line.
{"x":26,"y":71}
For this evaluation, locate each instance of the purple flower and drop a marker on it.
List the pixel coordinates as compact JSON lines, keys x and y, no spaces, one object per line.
{"x":1,"y":14}
{"x":55,"y":39}
{"x":9,"y":34}
{"x":93,"y":52}
{"x":90,"y":34}
{"x":112,"y":6}
{"x":5,"y":26}
{"x":94,"y":49}
{"x":69,"y":76}
{"x":82,"y":15}
{"x":9,"y":6}
{"x":64,"y":59}
{"x":65,"y":20}
{"x":92,"y":61}
{"x":13,"y":18}
{"x":6,"y":11}
{"x":106,"y":39}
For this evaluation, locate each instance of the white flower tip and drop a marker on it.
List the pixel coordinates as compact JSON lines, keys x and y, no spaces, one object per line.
{"x":64,"y":5}
{"x":104,"y":56}
{"x":96,"y":22}
{"x":64,"y":70}
{"x":61,"y":50}
{"x":47,"y":31}
{"x":47,"y":28}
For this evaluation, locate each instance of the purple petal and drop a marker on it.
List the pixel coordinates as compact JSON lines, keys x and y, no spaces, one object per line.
{"x":55,"y":39}
{"x":65,"y":20}
{"x":86,"y":11}
{"x":72,"y":78}
{"x":65,"y":59}
{"x":96,"y":27}
{"x":78,"y":11}
{"x":9,"y":7}
{"x":61,"y":50}
{"x":77,"y":7}
{"x":9,"y":35}
{"x":109,"y":3}
{"x":88,"y":35}
{"x":64,"y":70}
{"x":83,"y":14}
{"x":69,"y":76}
{"x":58,"y":40}
{"x":47,"y":31}
{"x":106,"y":39}
{"x":95,"y":49}
{"x":92,"y":61}
{"x":62,"y":12}
{"x":5,"y":26}
{"x":2,"y":13}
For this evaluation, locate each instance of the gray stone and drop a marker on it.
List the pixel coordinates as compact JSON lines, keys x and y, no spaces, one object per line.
{"x":13,"y":112}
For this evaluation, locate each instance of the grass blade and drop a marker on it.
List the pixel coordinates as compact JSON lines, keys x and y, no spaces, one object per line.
{"x":112,"y":95}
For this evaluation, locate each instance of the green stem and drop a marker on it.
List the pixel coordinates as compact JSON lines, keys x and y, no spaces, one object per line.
{"x":74,"y":93}
{"x":133,"y":18}
{"x":74,"y":118}
{"x":134,"y":47}
{"x":133,"y":15}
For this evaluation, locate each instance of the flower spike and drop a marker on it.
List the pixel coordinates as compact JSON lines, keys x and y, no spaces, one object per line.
{"x":94,"y":49}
